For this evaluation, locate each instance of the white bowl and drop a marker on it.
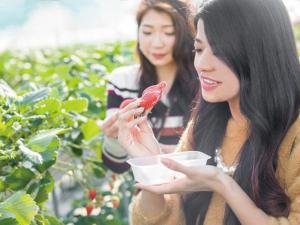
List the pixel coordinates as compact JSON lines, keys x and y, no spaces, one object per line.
{"x":150,"y":171}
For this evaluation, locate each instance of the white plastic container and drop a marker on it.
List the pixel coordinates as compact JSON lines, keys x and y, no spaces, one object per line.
{"x":150,"y":170}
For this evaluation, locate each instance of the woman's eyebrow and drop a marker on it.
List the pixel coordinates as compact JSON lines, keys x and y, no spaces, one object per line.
{"x":164,"y":26}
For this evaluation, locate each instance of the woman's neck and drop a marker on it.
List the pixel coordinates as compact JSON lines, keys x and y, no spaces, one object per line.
{"x":167,"y":73}
{"x":236,"y":113}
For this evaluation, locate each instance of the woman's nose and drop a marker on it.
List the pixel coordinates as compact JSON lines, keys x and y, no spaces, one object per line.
{"x":157,"y":40}
{"x":203,"y":62}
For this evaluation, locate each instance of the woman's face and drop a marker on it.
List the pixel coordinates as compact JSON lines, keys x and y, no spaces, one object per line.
{"x":218,"y":82}
{"x":157,"y":38}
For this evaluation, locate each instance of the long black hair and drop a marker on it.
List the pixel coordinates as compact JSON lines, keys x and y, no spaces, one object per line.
{"x":255,"y":39}
{"x":186,"y":84}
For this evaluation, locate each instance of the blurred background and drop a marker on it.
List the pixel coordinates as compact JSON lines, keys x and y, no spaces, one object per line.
{"x":52,"y":23}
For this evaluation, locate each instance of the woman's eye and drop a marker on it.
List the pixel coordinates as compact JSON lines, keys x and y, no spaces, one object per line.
{"x":197,"y":50}
{"x":146,"y":32}
{"x":170,"y":33}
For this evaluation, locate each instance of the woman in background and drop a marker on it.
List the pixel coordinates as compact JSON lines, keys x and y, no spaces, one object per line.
{"x":165,"y":52}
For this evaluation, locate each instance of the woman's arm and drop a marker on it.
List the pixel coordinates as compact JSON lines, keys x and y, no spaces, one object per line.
{"x":113,"y":154}
{"x":211,"y":178}
{"x":150,"y":208}
{"x":155,"y":203}
{"x":153,"y":209}
{"x":243,"y":207}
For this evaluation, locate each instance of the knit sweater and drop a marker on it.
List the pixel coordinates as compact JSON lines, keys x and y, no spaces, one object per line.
{"x":287,"y":173}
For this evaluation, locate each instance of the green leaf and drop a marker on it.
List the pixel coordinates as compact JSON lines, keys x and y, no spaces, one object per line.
{"x":32,"y":188}
{"x":46,"y":186}
{"x":34,"y":157}
{"x":34,"y":96}
{"x":53,"y":220}
{"x":6,"y":90}
{"x":62,"y":70}
{"x":44,"y":141}
{"x":9,"y":221}
{"x":99,"y":172}
{"x":40,"y":220}
{"x":47,"y":144}
{"x":90,"y":129}
{"x":19,"y":178}
{"x":3,"y":126}
{"x":19,"y":206}
{"x":2,"y":185}
{"x":76,"y":105}
{"x":95,"y":92}
{"x":48,"y":106}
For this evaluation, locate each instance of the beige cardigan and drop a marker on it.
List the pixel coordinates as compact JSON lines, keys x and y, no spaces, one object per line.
{"x":288,"y":174}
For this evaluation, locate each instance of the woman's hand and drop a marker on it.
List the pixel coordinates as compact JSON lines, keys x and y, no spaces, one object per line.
{"x":135,"y":134}
{"x":205,"y":178}
{"x":167,"y":148}
{"x":110,"y":126}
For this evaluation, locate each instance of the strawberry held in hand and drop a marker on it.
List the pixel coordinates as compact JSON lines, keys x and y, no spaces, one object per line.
{"x":152,"y":95}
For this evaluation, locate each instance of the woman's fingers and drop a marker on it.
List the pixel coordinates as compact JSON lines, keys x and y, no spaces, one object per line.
{"x":112,"y":132}
{"x":167,"y":148}
{"x":108,"y":122}
{"x":136,"y":121}
{"x":145,"y":126}
{"x":130,"y":106}
{"x":109,"y":126}
{"x":173,"y":165}
{"x":126,"y":116}
{"x":177,"y":186}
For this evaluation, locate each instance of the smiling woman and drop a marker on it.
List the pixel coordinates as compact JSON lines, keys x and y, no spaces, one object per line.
{"x":165,"y":44}
{"x":247,"y":119}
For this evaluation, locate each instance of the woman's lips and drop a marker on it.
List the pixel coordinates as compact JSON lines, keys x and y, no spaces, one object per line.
{"x":158,"y":56}
{"x":209,"y":84}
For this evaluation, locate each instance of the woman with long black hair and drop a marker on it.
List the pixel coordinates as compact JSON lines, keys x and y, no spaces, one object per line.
{"x":165,"y":53}
{"x":247,"y":120}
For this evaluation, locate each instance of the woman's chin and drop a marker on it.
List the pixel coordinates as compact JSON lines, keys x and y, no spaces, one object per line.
{"x":212,"y":99}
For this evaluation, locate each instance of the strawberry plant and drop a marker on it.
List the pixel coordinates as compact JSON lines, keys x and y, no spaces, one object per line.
{"x":50,"y":101}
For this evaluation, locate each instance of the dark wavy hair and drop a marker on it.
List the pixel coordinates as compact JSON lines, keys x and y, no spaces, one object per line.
{"x":186,"y":84}
{"x":255,"y":39}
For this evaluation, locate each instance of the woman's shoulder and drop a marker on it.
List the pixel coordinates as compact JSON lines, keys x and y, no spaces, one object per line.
{"x":288,"y":167}
{"x":125,"y":77}
{"x":289,"y":151}
{"x":294,"y":131}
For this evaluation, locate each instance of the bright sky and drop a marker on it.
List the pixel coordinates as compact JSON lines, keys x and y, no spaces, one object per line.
{"x":51,"y":23}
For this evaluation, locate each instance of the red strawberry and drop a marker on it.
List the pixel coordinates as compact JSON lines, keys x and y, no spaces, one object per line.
{"x":92,"y":193}
{"x":152,"y":95}
{"x":89,"y":209}
{"x":126,"y":102}
{"x":149,"y":100}
{"x":157,"y":87}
